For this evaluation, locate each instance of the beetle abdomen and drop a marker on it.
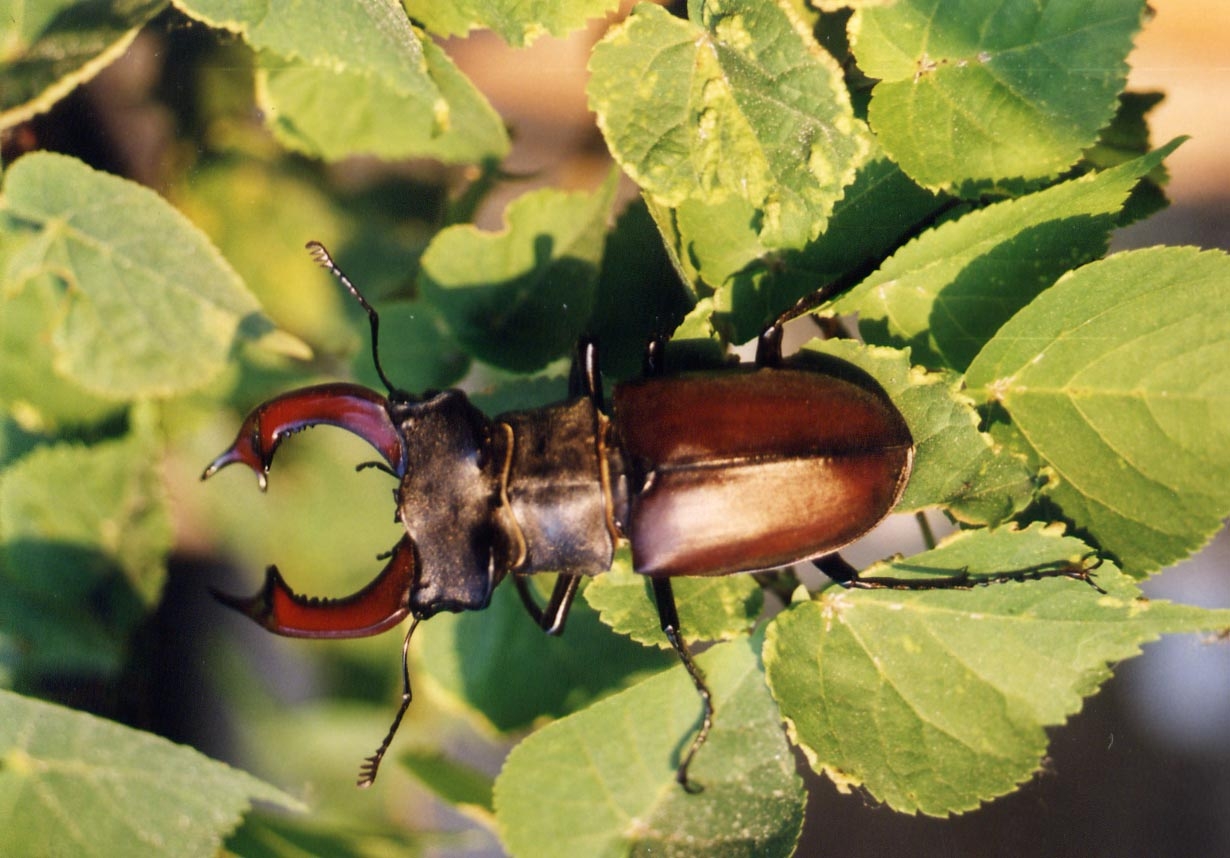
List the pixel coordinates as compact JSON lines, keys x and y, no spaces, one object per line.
{"x":755,"y":470}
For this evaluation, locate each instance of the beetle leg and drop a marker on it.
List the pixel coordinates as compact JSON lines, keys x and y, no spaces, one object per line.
{"x":847,"y":576}
{"x":379,"y":606}
{"x":668,"y":614}
{"x":348,"y":406}
{"x":552,"y":619}
{"x":769,"y":346}
{"x":585,"y":377}
{"x":371,"y":765}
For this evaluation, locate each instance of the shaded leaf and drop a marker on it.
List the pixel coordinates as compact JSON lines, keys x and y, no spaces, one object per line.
{"x":938,"y":700}
{"x":84,"y":533}
{"x":738,"y":102}
{"x":602,"y":782}
{"x":500,"y":663}
{"x":53,"y":46}
{"x":460,"y":785}
{"x":73,"y":783}
{"x":1118,"y":378}
{"x":152,"y":308}
{"x":520,"y":298}
{"x":971,"y":93}
{"x":945,"y":293}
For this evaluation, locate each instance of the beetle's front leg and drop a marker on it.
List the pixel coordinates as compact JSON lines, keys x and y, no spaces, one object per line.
{"x":379,"y":606}
{"x":347,"y":406}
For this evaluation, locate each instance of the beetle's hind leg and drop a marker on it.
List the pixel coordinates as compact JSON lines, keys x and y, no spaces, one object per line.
{"x":836,"y":568}
{"x":668,"y":615}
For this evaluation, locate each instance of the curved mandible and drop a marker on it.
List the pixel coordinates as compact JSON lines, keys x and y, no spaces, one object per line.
{"x":379,"y":606}
{"x":347,"y":406}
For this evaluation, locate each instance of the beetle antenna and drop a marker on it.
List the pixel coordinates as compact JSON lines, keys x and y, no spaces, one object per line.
{"x":325,"y":261}
{"x":367,"y":771}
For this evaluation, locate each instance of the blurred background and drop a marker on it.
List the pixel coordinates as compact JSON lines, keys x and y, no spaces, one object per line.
{"x":1143,"y":770}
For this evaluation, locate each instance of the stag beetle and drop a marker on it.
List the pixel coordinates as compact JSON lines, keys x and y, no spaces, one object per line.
{"x":746,"y":468}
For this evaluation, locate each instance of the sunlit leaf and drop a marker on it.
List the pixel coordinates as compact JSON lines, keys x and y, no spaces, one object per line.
{"x":602,"y":782}
{"x":1118,"y":377}
{"x":972,"y":92}
{"x":738,"y":103}
{"x":937,"y":700}
{"x":150,"y":307}
{"x":518,"y":23}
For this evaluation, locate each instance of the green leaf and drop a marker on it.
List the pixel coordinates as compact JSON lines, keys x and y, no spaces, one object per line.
{"x":53,"y":46}
{"x":602,"y":782}
{"x":955,"y":465}
{"x":945,"y":293}
{"x":740,"y":102}
{"x":1118,"y":378}
{"x":937,"y":700}
{"x":517,"y":22}
{"x":520,"y":298}
{"x":369,"y":38}
{"x":84,"y":533}
{"x":712,"y":608}
{"x":332,"y":114}
{"x":639,"y":295}
{"x":150,"y":307}
{"x":973,"y":92}
{"x":500,"y":663}
{"x":755,"y":283}
{"x":30,"y":388}
{"x":71,"y":783}
{"x":460,"y":785}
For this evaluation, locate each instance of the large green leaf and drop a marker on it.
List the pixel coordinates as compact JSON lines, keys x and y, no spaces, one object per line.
{"x":938,"y":700}
{"x":948,"y":291}
{"x":602,"y":782}
{"x":517,"y":22}
{"x":73,"y":784}
{"x":973,"y":92}
{"x":150,"y":307}
{"x":1118,"y":377}
{"x":736,"y":102}
{"x":53,"y":46}
{"x":521,"y":297}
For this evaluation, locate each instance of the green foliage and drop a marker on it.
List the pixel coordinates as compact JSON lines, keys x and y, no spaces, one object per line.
{"x":951,"y":173}
{"x":70,"y":781}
